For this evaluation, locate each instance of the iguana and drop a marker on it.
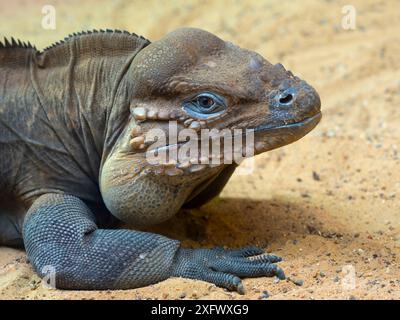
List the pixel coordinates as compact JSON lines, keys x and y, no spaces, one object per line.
{"x":73,"y":124}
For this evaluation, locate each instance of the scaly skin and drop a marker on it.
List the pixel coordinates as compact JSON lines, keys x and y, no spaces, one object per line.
{"x":75,"y":126}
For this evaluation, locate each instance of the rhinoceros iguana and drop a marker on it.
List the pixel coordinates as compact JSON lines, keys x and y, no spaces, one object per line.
{"x":73,"y":125}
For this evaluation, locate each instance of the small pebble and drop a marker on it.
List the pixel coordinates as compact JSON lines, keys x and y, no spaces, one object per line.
{"x":316,"y":176}
{"x":265,"y":295}
{"x":34,"y":285}
{"x":297,"y":282}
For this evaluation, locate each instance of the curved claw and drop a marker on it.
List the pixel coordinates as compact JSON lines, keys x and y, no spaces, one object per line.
{"x":224,"y":280}
{"x":280,"y":273}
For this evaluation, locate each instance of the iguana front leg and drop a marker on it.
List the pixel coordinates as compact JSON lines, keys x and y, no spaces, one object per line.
{"x":60,"y":231}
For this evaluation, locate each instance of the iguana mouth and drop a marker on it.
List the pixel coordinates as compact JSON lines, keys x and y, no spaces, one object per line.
{"x":308,"y":121}
{"x":260,"y":129}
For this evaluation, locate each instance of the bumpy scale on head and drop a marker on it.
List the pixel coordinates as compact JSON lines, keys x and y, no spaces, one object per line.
{"x":139,"y":142}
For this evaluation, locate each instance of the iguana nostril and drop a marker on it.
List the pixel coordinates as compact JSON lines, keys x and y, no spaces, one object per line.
{"x":286,"y":98}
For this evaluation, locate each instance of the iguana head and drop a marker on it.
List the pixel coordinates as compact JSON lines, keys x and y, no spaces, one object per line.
{"x":202,"y":82}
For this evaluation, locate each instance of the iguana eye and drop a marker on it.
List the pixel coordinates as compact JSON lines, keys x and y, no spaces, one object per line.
{"x":205,"y":102}
{"x":205,"y":105}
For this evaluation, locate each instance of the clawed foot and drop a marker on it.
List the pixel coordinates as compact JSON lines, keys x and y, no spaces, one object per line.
{"x":225,"y":267}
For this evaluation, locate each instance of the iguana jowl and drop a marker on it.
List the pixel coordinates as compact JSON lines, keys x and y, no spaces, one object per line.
{"x":73,"y":123}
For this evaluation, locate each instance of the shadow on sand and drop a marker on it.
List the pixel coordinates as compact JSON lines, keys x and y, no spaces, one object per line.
{"x":235,"y":222}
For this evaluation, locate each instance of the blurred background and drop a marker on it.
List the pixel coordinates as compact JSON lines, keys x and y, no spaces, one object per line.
{"x":330,"y":203}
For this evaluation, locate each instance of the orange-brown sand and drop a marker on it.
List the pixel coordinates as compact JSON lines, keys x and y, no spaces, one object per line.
{"x":329,"y":203}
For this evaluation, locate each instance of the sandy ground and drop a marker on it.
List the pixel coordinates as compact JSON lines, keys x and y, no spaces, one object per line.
{"x":330,"y":203}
